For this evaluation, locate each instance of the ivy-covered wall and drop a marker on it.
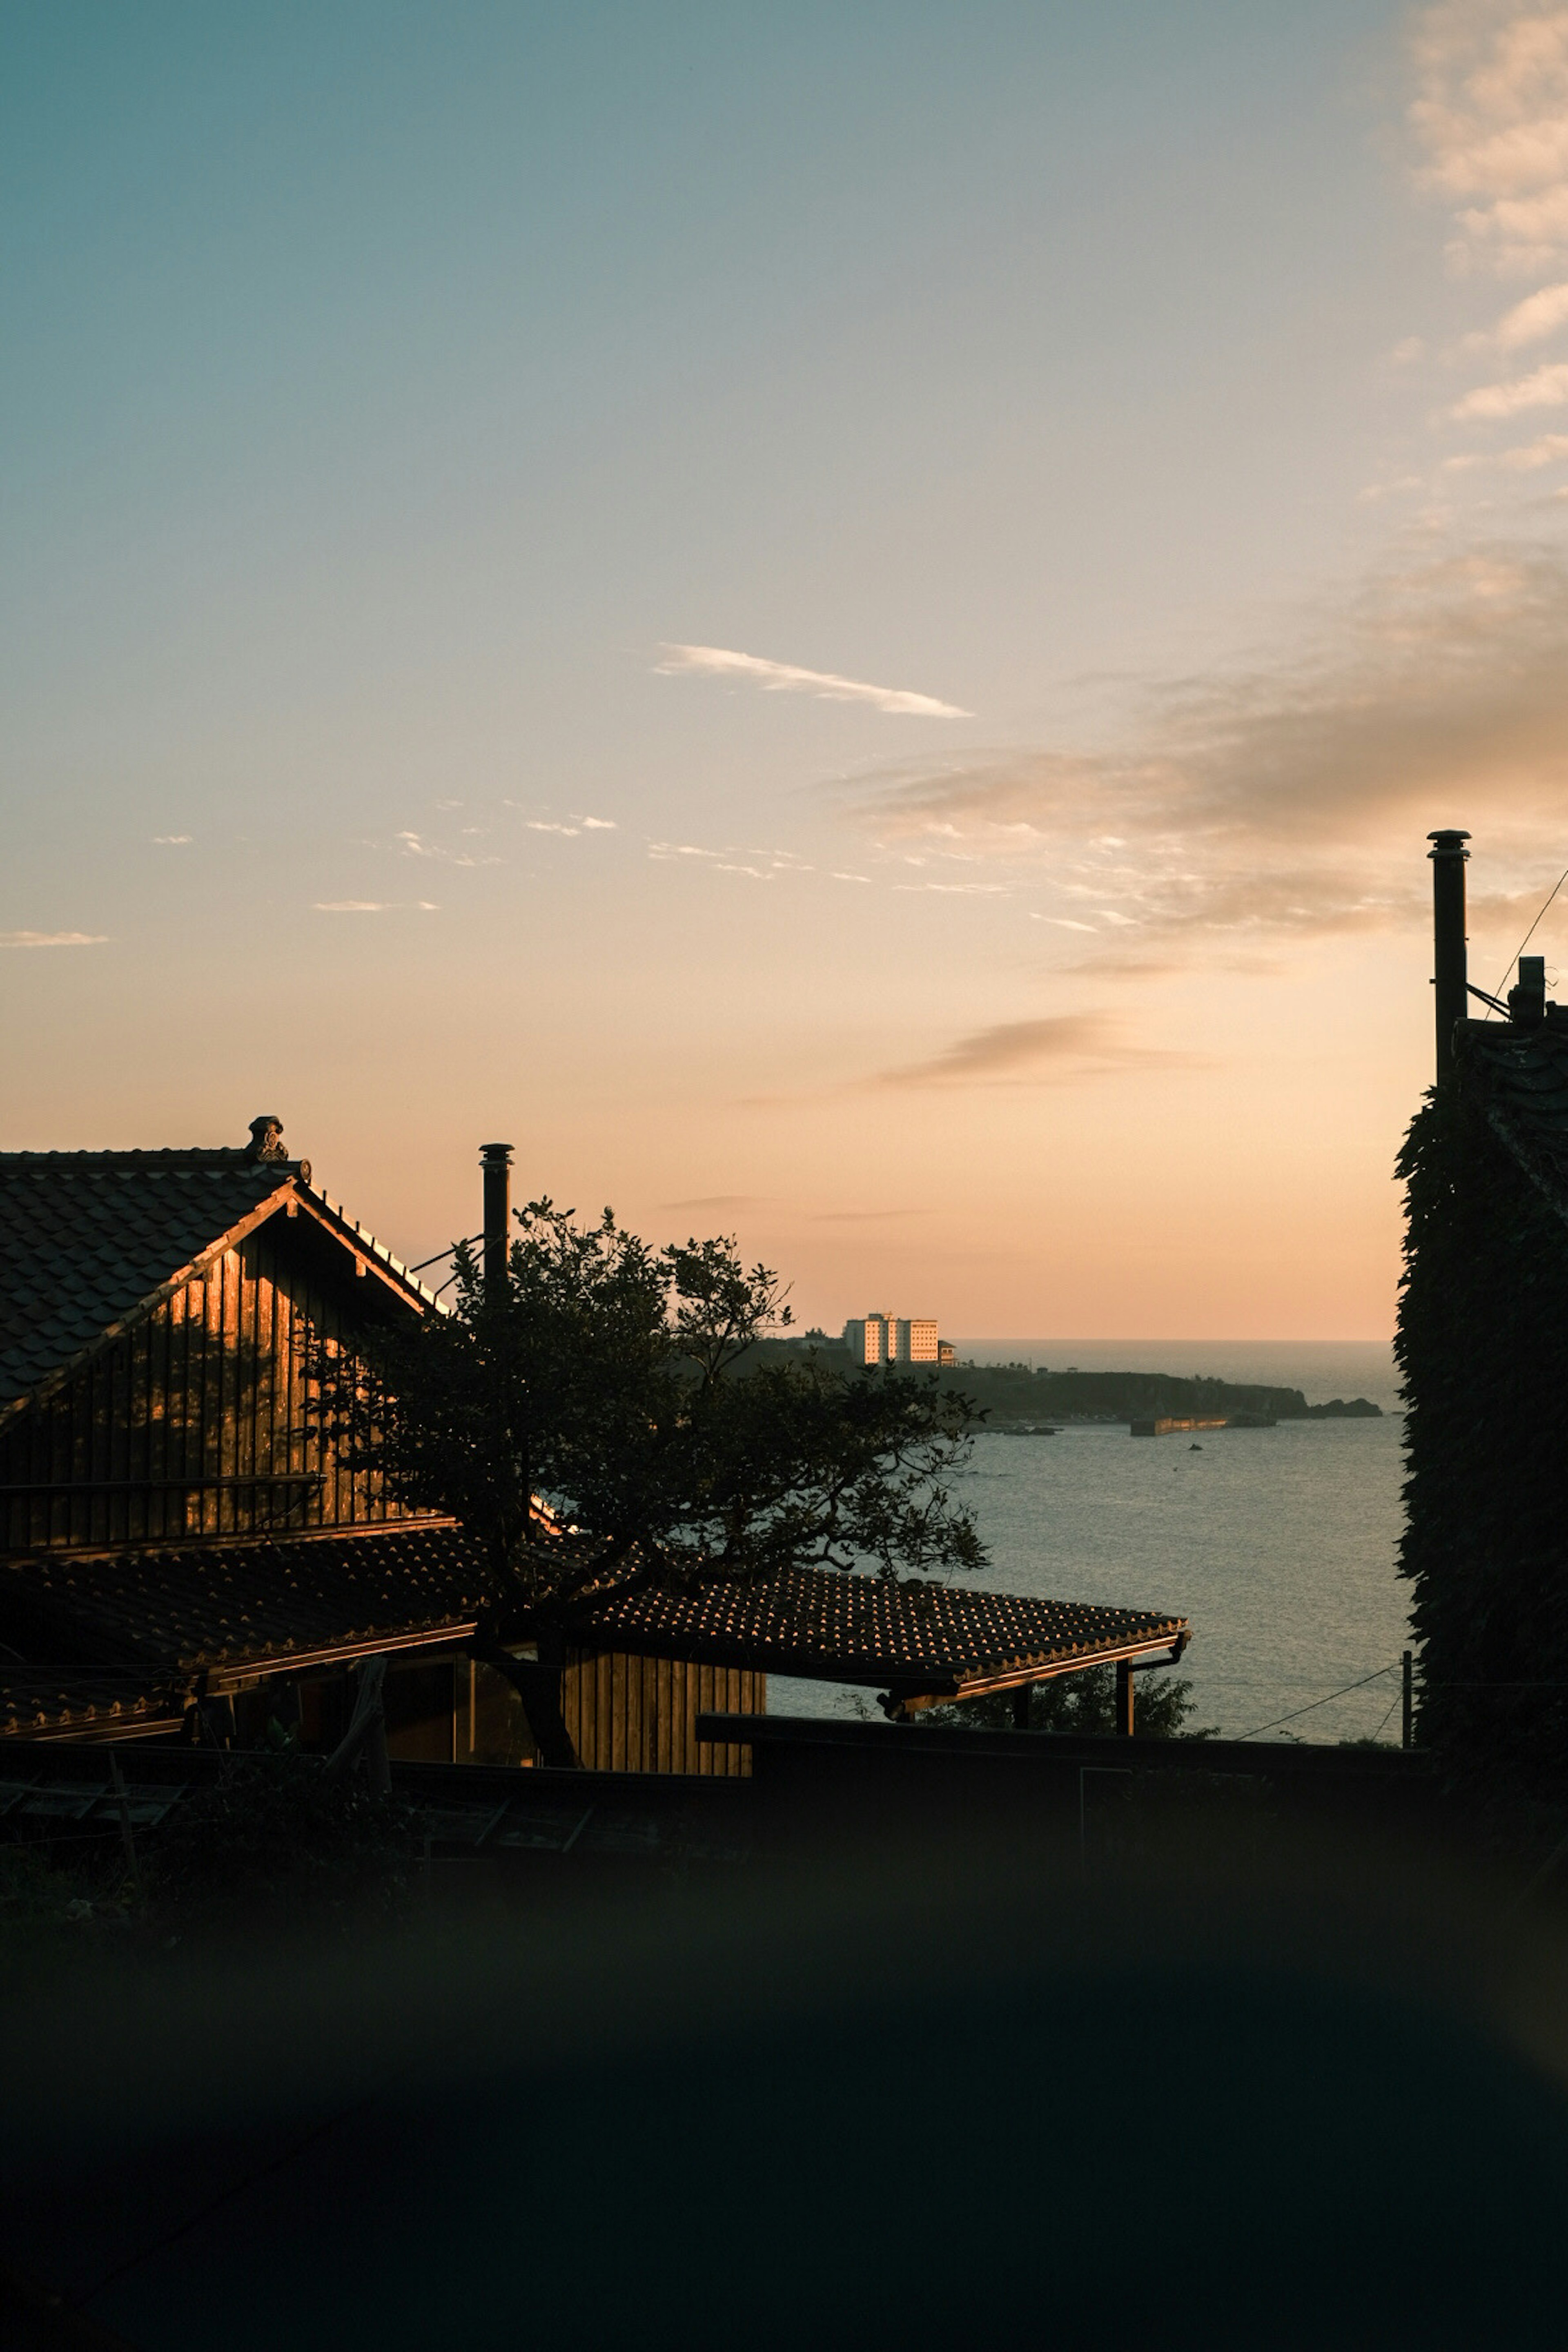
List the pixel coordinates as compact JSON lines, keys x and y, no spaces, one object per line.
{"x":1483,"y":1346}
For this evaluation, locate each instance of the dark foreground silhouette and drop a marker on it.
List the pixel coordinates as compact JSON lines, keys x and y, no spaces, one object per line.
{"x":1195,"y":2102}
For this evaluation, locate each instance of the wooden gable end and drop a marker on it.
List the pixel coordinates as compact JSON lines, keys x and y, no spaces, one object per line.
{"x":197,"y":1420}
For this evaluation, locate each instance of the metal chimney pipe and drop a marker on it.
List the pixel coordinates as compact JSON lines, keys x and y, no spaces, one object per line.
{"x":495,"y":1158}
{"x":1449,"y":857}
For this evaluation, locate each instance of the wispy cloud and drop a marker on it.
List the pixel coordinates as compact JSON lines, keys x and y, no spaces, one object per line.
{"x":1490,"y":117}
{"x":413,"y":844}
{"x":1059,"y":1048}
{"x":1526,"y":458}
{"x":579,"y":826}
{"x":1490,"y":120}
{"x":1288,"y":801}
{"x":1285,"y":799}
{"x":172,"y":840}
{"x":787,"y":677}
{"x":718,"y":1202}
{"x":1545,"y":388}
{"x":373,"y":905}
{"x":1531,"y":321}
{"x":54,"y":939}
{"x":755,"y":865}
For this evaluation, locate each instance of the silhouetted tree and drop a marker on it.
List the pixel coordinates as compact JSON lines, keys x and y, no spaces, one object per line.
{"x":1482,"y":1344}
{"x":584,"y":1419}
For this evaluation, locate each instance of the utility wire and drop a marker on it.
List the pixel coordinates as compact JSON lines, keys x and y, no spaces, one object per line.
{"x":1321,"y":1702}
{"x":1528,"y":935}
{"x":1392,"y":1703}
{"x":445,"y":1253}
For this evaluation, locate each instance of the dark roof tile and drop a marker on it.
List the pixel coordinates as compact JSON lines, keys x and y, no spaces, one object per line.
{"x":863,"y":1629}
{"x":85,"y":1236}
{"x":89,"y":1237}
{"x":238,"y":1606}
{"x":1520,"y":1073}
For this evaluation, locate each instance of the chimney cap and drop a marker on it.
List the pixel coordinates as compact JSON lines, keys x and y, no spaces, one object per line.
{"x":493,"y":1151}
{"x":1448,"y":840}
{"x":1527,"y":1003}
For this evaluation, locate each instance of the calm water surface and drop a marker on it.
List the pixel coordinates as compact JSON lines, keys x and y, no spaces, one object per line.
{"x":1279,"y":1544}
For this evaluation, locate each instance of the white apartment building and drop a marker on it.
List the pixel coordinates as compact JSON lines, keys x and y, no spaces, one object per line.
{"x":893,"y":1339}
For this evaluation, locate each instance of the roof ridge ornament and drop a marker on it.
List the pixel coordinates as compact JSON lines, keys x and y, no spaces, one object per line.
{"x":266,"y":1138}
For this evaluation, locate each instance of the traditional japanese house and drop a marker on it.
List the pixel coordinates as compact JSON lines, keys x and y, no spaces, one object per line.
{"x":185,"y":1551}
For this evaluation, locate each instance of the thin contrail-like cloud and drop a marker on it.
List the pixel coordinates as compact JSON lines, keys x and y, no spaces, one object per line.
{"x":720,"y":1200}
{"x":54,"y":939}
{"x":1063,"y":1045}
{"x":786,"y":678}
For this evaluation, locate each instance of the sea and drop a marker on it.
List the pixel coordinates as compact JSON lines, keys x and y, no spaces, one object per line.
{"x":1277,"y":1544}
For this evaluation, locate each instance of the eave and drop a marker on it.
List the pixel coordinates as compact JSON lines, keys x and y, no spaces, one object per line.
{"x":1163,"y":1650}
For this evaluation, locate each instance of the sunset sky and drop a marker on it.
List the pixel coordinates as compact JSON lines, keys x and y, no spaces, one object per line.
{"x":846,"y":623}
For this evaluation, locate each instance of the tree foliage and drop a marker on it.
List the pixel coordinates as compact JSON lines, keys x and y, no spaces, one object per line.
{"x":1083,"y":1707}
{"x":1483,"y":1347}
{"x":586,"y":1422}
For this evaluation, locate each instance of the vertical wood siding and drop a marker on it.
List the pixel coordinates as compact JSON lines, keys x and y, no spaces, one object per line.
{"x":639,"y":1714}
{"x":194,"y":1422}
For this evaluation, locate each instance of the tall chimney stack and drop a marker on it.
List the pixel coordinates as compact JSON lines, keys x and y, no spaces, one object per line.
{"x":1449,"y":857}
{"x":495,"y":1158}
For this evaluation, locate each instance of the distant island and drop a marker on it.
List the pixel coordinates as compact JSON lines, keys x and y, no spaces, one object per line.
{"x":1014,"y":1392}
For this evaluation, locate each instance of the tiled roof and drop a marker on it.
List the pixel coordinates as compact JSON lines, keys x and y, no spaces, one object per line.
{"x":188,"y":1607}
{"x":87,"y":1236}
{"x":229,"y":1607}
{"x":101,"y":1704}
{"x":857,"y":1629}
{"x":1521,"y":1073}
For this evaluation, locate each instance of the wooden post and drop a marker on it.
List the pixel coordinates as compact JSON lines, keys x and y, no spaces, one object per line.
{"x":367,"y":1733}
{"x":1021,"y":1706}
{"x":1408,"y":1676}
{"x":1124,"y":1698}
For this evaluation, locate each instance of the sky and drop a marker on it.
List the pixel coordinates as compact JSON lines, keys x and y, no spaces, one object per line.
{"x":844,"y":625}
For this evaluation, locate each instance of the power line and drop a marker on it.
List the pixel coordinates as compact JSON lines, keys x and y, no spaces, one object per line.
{"x":1319,"y":1702}
{"x":1530,"y":933}
{"x":445,"y":1253}
{"x":1392,"y":1703}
